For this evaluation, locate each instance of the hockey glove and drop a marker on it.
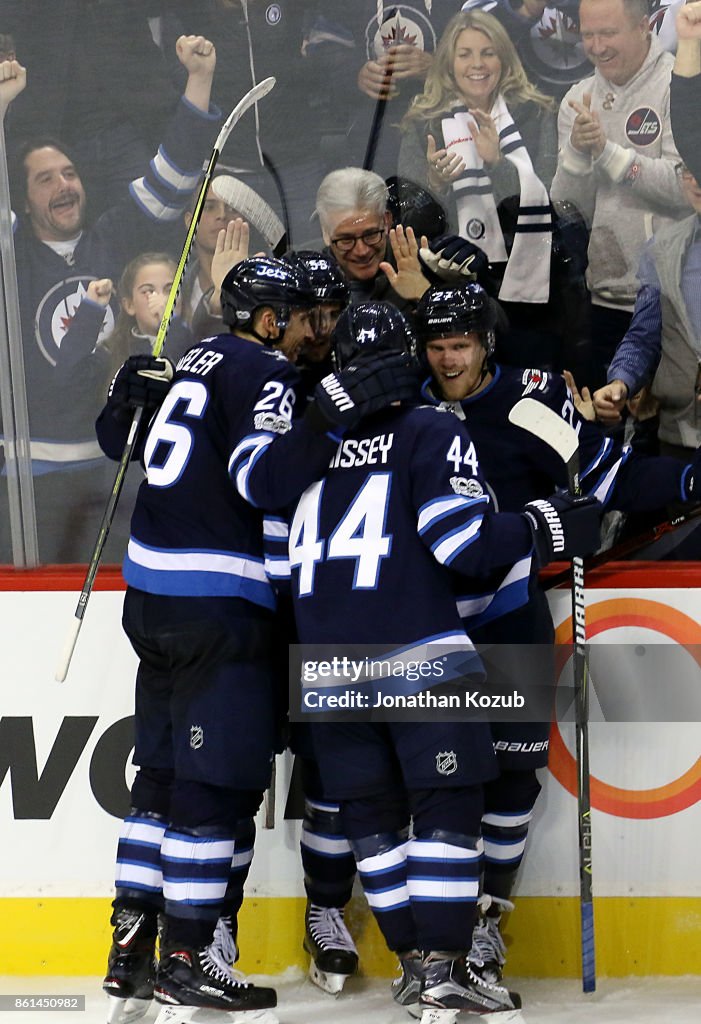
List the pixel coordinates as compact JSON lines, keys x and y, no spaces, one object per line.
{"x":370,"y":383}
{"x":563,"y":526}
{"x":450,"y":259}
{"x":140,"y":381}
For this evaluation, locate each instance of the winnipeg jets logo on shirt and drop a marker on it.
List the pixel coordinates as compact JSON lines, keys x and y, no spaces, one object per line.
{"x":643,"y":126}
{"x":403,"y":24}
{"x":55,"y":314}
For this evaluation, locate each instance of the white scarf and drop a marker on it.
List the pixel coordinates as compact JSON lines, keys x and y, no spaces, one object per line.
{"x":527,"y":274}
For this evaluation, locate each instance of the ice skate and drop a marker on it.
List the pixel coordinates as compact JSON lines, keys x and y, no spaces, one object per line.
{"x":329,"y":943}
{"x":131,"y":965}
{"x":488,"y":954}
{"x":450,"y":984}
{"x":406,"y":990}
{"x":190,"y":980}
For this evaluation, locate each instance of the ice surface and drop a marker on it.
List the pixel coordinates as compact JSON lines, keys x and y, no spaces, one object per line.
{"x":365,"y":1001}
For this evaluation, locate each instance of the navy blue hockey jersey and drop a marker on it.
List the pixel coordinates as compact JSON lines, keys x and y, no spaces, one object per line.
{"x":520,"y":467}
{"x":371,"y":545}
{"x":220,"y":447}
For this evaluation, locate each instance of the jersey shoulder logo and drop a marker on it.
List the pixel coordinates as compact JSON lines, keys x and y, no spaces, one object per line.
{"x":269,"y":421}
{"x":468,"y":488}
{"x":534,"y":380}
{"x":446,"y":762}
{"x":196,"y":736}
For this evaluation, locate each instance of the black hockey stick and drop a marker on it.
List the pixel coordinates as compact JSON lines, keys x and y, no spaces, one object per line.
{"x":380,"y":110}
{"x":251,"y":97}
{"x":546,"y":424}
{"x":630,"y":545}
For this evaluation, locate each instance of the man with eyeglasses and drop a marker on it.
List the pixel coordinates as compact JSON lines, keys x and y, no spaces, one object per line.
{"x":662,"y":347}
{"x":378,"y":261}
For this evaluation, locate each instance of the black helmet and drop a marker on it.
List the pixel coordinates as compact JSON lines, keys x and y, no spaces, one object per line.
{"x":264,"y":281}
{"x":376,"y":325}
{"x":414,"y":207}
{"x":443,"y":312}
{"x":324,"y":273}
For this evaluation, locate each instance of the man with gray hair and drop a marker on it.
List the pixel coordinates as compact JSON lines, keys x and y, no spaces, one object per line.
{"x":617,"y":159}
{"x":356,"y":225}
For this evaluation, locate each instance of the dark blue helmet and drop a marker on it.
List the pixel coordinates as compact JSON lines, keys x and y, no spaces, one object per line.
{"x":370,"y":325}
{"x":445,"y":312}
{"x":324,"y":273}
{"x":414,"y":207}
{"x":263,"y":281}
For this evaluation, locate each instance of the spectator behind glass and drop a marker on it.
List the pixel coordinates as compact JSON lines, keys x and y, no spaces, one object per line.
{"x":378,"y":262}
{"x":617,"y":160}
{"x":370,"y":60}
{"x":255,"y":40}
{"x":686,"y":88}
{"x":91,"y":65}
{"x":663,"y":343}
{"x":483,"y":138}
{"x":58,"y":253}
{"x":224,"y":237}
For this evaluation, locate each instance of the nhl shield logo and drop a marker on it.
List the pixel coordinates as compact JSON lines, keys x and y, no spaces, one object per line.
{"x":196,"y":736}
{"x":446,"y":762}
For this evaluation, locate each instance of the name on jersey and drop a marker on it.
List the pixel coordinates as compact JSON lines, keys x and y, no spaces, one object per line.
{"x":369,"y":451}
{"x":199,"y":361}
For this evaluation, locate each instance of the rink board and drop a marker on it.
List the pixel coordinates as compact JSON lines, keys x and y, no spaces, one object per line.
{"x":65,"y":756}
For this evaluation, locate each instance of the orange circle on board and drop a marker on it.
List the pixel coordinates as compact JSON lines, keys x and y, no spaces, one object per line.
{"x":629,"y":803}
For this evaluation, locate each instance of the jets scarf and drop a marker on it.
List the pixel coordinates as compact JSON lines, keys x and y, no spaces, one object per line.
{"x":527,"y":274}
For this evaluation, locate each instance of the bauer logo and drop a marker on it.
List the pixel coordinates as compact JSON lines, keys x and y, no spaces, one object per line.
{"x":643,"y":126}
{"x":446,"y":762}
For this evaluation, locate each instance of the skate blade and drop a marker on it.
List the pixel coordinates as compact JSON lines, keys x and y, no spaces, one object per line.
{"x":123,"y":1011}
{"x":199,"y":1015}
{"x":432,"y":1015}
{"x":329,"y":983}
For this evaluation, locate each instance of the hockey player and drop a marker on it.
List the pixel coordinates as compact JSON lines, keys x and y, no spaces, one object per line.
{"x":392,"y":508}
{"x":455,"y":331}
{"x":198,"y":612}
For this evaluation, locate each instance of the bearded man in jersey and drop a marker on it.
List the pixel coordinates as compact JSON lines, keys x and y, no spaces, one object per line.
{"x":455,"y":329}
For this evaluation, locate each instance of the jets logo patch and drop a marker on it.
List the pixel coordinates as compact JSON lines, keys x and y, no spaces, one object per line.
{"x":643,"y":126}
{"x":55,"y":314}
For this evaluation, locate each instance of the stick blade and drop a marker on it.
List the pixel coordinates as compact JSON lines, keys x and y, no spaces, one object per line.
{"x":252,"y":96}
{"x":546,"y":424}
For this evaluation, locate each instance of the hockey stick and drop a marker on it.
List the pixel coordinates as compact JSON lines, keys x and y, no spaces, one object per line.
{"x":253,"y":208}
{"x":630,"y":545}
{"x":247,"y":101}
{"x":546,"y":424}
{"x":380,"y":110}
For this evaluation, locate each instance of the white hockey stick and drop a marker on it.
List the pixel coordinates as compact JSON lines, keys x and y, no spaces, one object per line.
{"x":253,"y":208}
{"x":546,"y":424}
{"x":247,"y":101}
